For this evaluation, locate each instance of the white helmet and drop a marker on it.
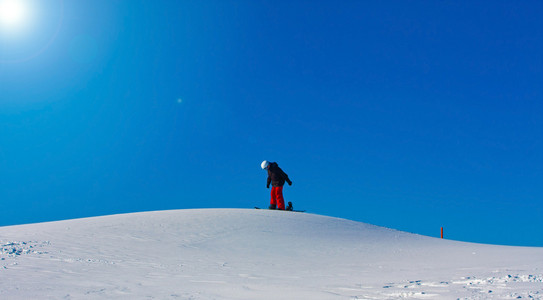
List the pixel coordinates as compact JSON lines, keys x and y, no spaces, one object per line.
{"x":265,"y":164}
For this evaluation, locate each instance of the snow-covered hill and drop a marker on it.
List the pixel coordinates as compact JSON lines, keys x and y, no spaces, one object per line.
{"x":253,"y":254}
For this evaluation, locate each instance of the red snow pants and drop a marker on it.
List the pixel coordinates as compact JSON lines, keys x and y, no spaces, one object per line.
{"x":277,"y":197}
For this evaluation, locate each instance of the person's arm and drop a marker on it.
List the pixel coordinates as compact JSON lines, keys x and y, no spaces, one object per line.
{"x":269,"y":180}
{"x":286,"y":178}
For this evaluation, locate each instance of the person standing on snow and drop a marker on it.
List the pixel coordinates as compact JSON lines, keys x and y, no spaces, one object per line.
{"x":277,"y":178}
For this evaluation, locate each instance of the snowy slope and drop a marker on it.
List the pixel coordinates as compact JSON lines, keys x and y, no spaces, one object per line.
{"x":253,"y":254}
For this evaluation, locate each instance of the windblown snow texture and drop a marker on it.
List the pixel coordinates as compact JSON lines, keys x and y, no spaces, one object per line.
{"x":253,"y":254}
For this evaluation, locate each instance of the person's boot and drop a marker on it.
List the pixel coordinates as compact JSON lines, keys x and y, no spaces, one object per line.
{"x":272,"y":206}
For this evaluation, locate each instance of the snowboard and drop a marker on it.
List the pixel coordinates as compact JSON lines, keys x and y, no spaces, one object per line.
{"x":256,"y":207}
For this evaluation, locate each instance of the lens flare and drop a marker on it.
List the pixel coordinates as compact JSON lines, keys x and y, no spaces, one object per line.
{"x":12,"y":12}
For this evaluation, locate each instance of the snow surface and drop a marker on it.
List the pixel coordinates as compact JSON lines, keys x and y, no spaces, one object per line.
{"x":253,"y":254}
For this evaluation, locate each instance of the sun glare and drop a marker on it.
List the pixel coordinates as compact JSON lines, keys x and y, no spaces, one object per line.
{"x":12,"y":12}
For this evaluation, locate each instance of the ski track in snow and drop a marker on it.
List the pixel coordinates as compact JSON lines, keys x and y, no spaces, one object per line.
{"x":249,"y":254}
{"x":501,"y":287}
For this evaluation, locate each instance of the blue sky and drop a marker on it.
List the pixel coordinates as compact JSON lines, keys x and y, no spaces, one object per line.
{"x":407,"y":114}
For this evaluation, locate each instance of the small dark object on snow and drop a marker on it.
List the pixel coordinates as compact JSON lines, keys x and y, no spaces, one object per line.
{"x":289,"y":206}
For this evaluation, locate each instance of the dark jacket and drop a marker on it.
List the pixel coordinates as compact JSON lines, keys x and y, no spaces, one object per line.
{"x":276,"y":176}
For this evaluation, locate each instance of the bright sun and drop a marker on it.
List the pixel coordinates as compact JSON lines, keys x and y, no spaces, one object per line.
{"x":12,"y":12}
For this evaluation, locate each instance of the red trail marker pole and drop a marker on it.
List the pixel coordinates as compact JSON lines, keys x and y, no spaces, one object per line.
{"x":441,"y":232}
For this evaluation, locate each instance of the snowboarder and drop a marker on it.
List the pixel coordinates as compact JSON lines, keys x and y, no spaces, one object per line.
{"x":277,"y":178}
